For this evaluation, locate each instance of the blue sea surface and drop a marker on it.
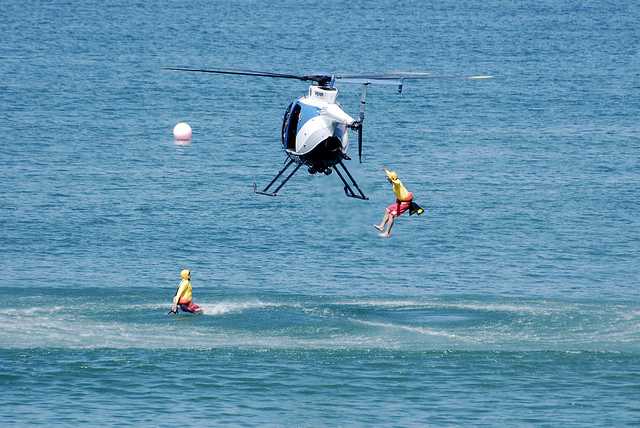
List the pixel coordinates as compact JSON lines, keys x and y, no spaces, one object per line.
{"x":513,"y":301}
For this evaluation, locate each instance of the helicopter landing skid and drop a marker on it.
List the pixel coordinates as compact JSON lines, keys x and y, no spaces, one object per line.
{"x":347,"y":188}
{"x":266,"y":192}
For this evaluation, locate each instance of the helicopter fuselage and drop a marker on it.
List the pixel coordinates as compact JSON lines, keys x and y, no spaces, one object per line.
{"x":315,"y":130}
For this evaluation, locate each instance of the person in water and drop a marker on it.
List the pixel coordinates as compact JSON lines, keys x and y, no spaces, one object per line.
{"x":184,"y":298}
{"x":404,"y":202}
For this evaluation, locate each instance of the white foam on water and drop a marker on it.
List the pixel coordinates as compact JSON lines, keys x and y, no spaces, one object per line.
{"x":538,"y":308}
{"x":46,"y":332}
{"x":569,"y":326}
{"x":226,"y":307}
{"x":31,"y":311}
{"x":383,"y":303}
{"x":412,"y":329}
{"x":218,"y":308}
{"x":505,"y":307}
{"x":152,"y":306}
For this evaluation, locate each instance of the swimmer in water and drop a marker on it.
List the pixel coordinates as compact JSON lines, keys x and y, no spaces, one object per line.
{"x":183,"y":298}
{"x":404,"y":202}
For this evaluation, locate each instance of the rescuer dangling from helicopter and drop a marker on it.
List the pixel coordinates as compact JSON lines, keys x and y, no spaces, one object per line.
{"x":404,"y":202}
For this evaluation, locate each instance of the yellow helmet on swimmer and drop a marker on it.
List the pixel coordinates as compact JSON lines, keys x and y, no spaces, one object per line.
{"x":185,"y":274}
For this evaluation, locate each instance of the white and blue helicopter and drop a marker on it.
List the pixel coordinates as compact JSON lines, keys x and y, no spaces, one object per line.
{"x":315,"y":128}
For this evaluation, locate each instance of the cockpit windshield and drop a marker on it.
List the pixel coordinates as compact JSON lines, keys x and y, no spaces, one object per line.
{"x":290,"y":126}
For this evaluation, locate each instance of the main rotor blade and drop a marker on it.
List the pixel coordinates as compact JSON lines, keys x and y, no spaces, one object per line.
{"x":387,"y":76}
{"x":398,"y":77}
{"x":316,"y":78}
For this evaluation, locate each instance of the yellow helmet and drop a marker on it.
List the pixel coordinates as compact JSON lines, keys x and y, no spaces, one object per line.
{"x":185,"y":274}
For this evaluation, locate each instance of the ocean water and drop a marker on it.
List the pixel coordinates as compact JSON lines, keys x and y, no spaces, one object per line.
{"x":512,"y":302}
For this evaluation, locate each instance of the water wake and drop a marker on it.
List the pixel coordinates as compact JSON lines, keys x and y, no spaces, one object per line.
{"x":295,"y":322}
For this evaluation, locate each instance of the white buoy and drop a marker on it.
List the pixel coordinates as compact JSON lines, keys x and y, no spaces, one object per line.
{"x":182,"y":131}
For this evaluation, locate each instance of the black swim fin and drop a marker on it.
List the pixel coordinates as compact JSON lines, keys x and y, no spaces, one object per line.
{"x":415,"y":209}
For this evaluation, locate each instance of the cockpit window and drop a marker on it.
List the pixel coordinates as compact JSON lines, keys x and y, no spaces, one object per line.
{"x":290,"y":127}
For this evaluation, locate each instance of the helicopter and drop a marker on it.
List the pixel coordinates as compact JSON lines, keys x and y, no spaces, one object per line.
{"x":315,"y":128}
